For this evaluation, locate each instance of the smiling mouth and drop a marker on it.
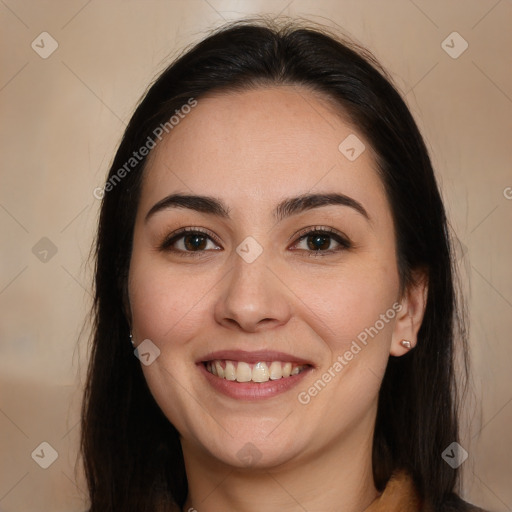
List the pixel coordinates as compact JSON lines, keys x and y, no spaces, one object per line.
{"x":262,"y":371}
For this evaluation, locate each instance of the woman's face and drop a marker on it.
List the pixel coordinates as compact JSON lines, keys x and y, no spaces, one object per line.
{"x":273,"y":342}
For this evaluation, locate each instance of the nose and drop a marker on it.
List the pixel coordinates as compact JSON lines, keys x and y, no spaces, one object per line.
{"x":253,"y":298}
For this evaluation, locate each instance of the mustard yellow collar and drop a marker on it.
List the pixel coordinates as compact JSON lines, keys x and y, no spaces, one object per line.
{"x":400,"y":495}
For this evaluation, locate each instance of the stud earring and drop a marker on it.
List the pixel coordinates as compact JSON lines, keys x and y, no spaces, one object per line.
{"x":131,"y":340}
{"x":406,"y":344}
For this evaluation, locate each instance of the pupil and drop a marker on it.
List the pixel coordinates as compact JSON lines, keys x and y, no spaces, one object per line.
{"x":197,"y":242}
{"x":319,"y":242}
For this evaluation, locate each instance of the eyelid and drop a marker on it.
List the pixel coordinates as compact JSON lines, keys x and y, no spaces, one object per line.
{"x":176,"y":235}
{"x":342,"y":239}
{"x":313,"y":229}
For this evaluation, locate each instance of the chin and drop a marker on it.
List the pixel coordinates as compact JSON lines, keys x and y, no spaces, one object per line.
{"x":255,"y":452}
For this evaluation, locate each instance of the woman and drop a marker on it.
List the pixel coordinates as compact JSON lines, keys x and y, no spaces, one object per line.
{"x":273,"y":242}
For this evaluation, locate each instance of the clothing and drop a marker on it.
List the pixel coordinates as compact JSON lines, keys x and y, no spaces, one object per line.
{"x":400,"y":495}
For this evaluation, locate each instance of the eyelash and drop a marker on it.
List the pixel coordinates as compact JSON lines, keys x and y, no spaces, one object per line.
{"x":344,"y":242}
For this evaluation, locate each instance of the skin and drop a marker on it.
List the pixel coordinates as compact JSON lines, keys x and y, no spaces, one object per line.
{"x":233,"y":146}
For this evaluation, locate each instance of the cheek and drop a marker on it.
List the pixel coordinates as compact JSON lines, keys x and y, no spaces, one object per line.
{"x":352,"y":311}
{"x":165,"y":304}
{"x":354,"y":316}
{"x":350,"y":301}
{"x":168,"y":309}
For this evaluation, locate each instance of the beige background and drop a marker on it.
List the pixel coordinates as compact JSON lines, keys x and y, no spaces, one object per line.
{"x":61,"y":118}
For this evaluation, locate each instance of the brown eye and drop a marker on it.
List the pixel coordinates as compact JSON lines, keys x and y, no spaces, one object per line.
{"x":318,"y":242}
{"x":195,"y":242}
{"x":189,"y":241}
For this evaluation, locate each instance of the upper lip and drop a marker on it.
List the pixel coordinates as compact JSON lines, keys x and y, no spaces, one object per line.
{"x":253,"y":356}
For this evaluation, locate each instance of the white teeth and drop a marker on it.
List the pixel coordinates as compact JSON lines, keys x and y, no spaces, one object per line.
{"x":220,"y":370}
{"x":275,"y":370}
{"x":230,"y":371}
{"x":259,"y":372}
{"x":243,"y":372}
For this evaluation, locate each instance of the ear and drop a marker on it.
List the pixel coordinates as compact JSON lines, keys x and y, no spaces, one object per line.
{"x":410,"y":316}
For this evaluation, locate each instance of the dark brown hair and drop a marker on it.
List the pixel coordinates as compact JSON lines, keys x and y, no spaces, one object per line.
{"x":132,"y":453}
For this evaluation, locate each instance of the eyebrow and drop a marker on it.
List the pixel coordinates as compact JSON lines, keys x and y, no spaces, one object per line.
{"x":286,"y":208}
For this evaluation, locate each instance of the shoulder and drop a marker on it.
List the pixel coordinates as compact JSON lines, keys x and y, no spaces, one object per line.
{"x":401,"y":493}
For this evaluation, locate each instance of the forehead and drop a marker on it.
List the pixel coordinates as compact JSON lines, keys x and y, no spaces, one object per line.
{"x":263,"y":143}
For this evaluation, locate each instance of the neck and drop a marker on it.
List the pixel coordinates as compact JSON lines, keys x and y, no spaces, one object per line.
{"x":338,"y":479}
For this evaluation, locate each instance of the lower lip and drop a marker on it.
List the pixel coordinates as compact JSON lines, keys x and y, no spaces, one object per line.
{"x":252,"y":390}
